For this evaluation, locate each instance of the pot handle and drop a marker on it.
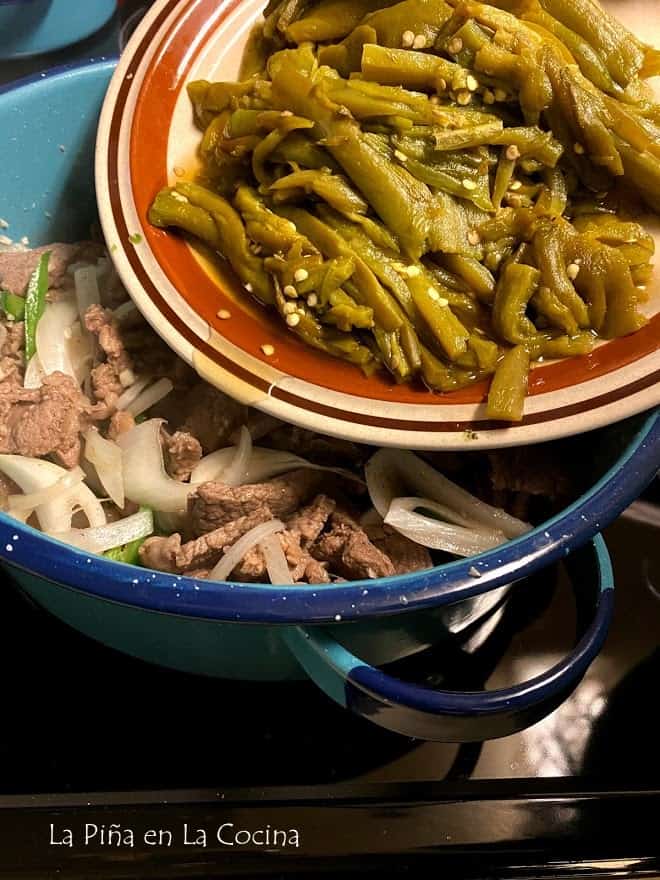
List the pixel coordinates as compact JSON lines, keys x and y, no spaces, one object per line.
{"x":464,"y":716}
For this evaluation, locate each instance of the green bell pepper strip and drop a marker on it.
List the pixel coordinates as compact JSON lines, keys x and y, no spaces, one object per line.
{"x":169,"y":210}
{"x":436,"y":177}
{"x":273,"y":139}
{"x":531,"y":141}
{"x":553,"y":198}
{"x":606,"y":284}
{"x":298,"y":150}
{"x":12,"y":305}
{"x":503,"y":177}
{"x":591,"y":64}
{"x":209,"y":216}
{"x":35,"y":303}
{"x":550,"y":255}
{"x":127,"y":553}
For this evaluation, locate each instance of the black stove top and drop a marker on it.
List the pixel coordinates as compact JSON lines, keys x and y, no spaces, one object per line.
{"x":90,"y":737}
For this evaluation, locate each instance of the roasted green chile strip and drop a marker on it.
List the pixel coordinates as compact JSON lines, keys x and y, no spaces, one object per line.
{"x":445,"y":190}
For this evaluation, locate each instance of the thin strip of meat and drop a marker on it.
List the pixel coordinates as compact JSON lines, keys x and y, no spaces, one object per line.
{"x":44,"y":421}
{"x":213,"y":504}
{"x":310,"y":521}
{"x":169,"y":554}
{"x":349,"y":551}
{"x":302,"y":566}
{"x":182,"y":453}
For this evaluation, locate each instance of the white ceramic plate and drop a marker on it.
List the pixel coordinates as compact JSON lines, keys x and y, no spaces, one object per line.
{"x":147,"y":138}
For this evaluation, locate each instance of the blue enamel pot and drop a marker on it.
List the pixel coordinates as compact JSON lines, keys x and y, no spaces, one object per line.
{"x":337,"y":635}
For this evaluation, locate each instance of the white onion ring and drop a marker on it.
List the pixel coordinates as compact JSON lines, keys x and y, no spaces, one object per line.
{"x":245,"y":543}
{"x":34,"y":474}
{"x":145,"y":479}
{"x":116,"y":534}
{"x":452,"y":538}
{"x":390,"y":472}
{"x":237,"y":472}
{"x":275,"y":559}
{"x":106,"y":457}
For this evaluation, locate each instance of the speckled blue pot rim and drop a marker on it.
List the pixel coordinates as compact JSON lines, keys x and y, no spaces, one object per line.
{"x":263,"y":603}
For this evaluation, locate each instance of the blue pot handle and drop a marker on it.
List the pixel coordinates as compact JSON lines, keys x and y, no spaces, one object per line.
{"x":464,"y":716}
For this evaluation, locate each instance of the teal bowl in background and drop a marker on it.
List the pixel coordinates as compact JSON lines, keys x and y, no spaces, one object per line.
{"x":263,"y":632}
{"x":34,"y":27}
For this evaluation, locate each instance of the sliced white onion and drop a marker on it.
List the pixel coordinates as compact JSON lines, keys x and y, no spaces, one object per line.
{"x":28,"y":502}
{"x":91,"y":477}
{"x":236,"y":473}
{"x":439,"y":535}
{"x":35,"y":474}
{"x":442,"y":512}
{"x":132,"y":392}
{"x":87,"y":288}
{"x":245,"y":543}
{"x":52,"y":337}
{"x":106,"y":457}
{"x":275,"y":559}
{"x":124,"y":310}
{"x":116,"y":534}
{"x":145,"y":479}
{"x":393,"y":472}
{"x":80,"y":348}
{"x":264,"y":465}
{"x":150,"y":396}
{"x":34,"y":373}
